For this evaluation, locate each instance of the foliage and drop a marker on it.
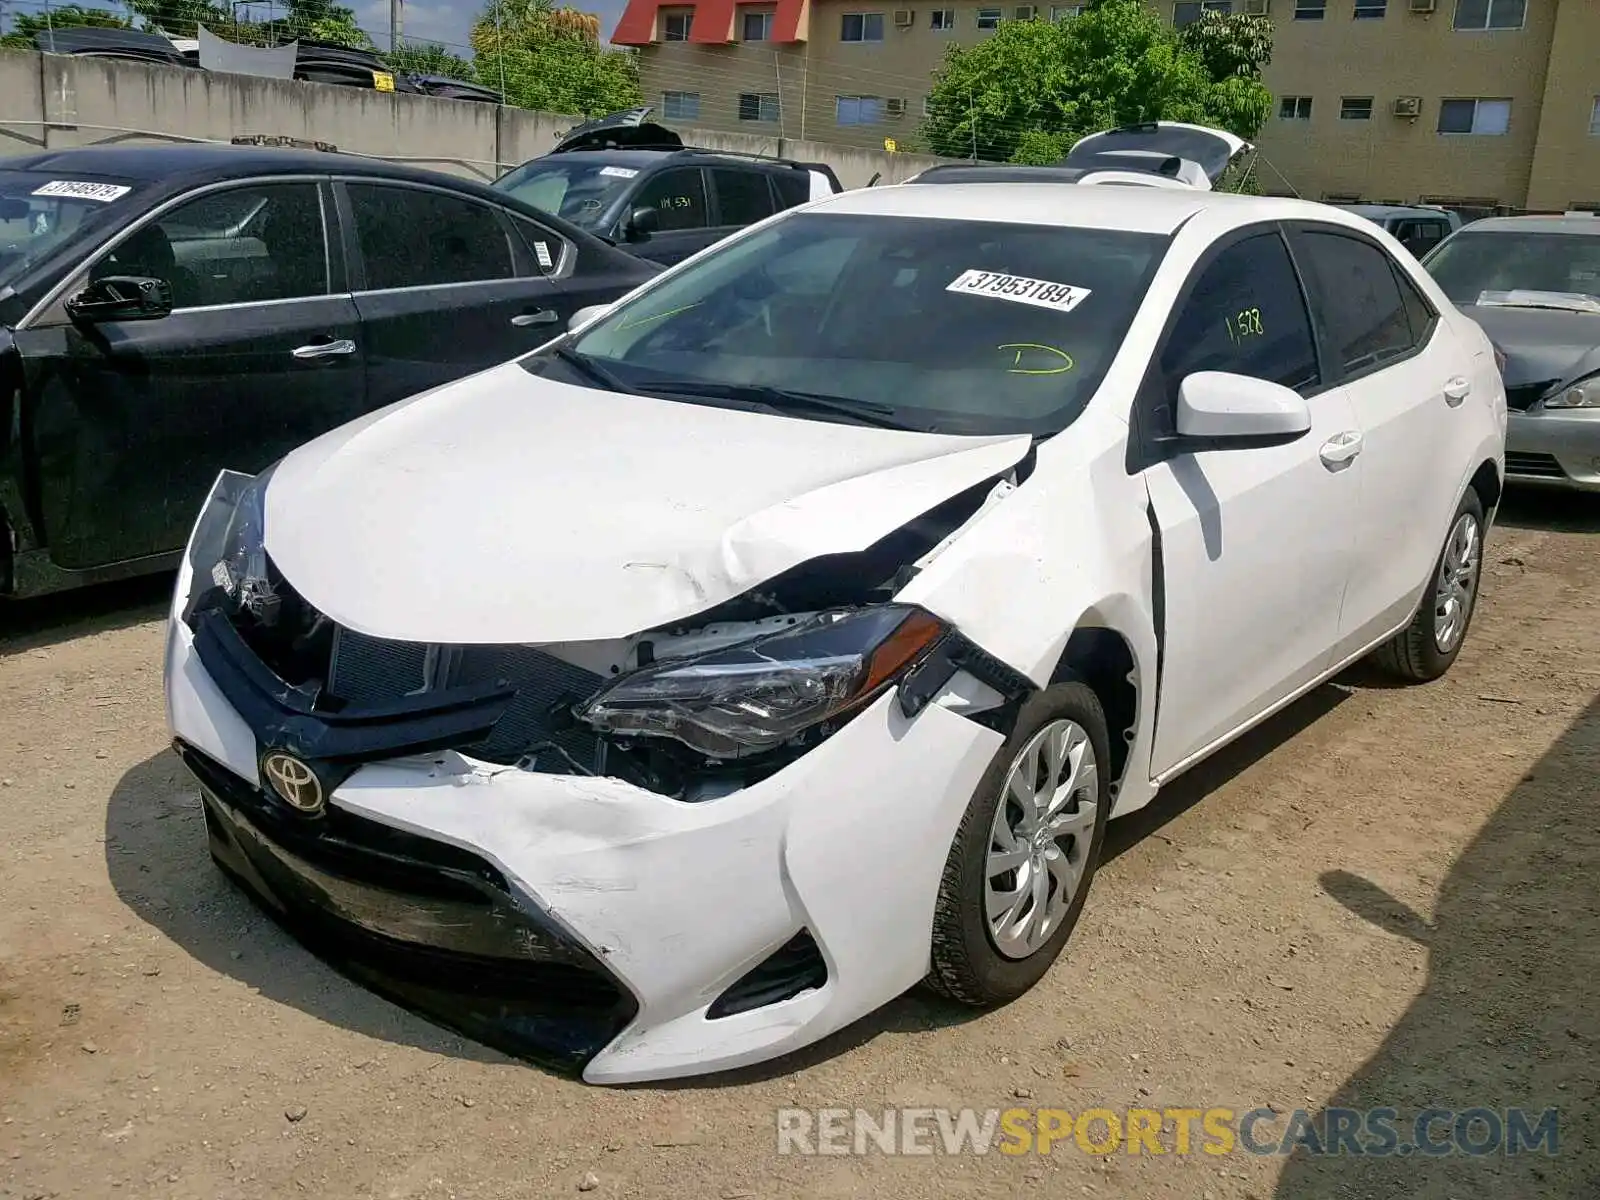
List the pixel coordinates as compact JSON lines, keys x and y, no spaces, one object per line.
{"x":181,"y":18}
{"x":1034,"y":87}
{"x":429,"y":58}
{"x":1229,"y":43}
{"x":25,"y":25}
{"x":551,"y":59}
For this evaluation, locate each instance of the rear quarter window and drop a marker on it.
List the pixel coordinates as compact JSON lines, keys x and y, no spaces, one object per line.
{"x":794,"y":187}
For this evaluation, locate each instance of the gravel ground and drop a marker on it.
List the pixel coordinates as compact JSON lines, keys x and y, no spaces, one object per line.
{"x":1387,"y":896}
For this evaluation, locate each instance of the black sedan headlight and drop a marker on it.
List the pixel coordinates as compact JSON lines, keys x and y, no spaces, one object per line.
{"x":749,"y":698}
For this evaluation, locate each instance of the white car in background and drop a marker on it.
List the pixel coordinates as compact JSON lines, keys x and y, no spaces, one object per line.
{"x":667,"y":699}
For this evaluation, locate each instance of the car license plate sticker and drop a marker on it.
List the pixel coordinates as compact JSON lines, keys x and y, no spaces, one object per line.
{"x":104,"y":192}
{"x":1041,"y":293}
{"x":619,"y":172}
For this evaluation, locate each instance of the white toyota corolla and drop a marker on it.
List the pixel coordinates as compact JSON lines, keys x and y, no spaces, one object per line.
{"x":786,"y":635}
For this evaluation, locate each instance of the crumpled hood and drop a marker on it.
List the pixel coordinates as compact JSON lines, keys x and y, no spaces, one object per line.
{"x":507,"y":508}
{"x":1541,"y":345}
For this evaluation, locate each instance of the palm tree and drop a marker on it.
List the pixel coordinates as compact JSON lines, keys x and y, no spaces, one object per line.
{"x":517,"y":24}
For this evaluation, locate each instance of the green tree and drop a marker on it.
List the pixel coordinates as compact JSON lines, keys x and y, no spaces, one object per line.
{"x":550,"y":58}
{"x":1033,"y":88}
{"x":180,"y":18}
{"x":429,"y":58}
{"x":1229,"y":43}
{"x":25,"y":25}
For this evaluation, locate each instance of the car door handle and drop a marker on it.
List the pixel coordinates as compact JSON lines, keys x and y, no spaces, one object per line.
{"x":545,"y":316}
{"x":328,"y":349}
{"x":1339,"y":451}
{"x":1457,"y":390}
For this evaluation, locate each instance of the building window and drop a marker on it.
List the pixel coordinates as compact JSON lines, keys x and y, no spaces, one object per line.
{"x":988,"y":18}
{"x":680,"y":106}
{"x":1025,"y":12}
{"x":1310,"y":10}
{"x":758,"y":106}
{"x":1294,"y":108}
{"x":1188,"y":14}
{"x":1490,"y":14}
{"x":1594,"y":118}
{"x":861,"y":27}
{"x":675,"y":27}
{"x":858,"y":110}
{"x":756,"y":27}
{"x":1065,"y":12}
{"x":1489,"y":117}
{"x":1355,"y":108}
{"x":942,"y":18}
{"x":1371,"y":10}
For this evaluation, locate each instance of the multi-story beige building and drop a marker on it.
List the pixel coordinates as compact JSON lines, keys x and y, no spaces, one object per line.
{"x":1482,"y":102}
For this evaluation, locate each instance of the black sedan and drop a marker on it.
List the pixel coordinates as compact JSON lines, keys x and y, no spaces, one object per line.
{"x":167,"y":312}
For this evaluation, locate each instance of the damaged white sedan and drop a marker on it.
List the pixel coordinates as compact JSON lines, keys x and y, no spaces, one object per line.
{"x":672,"y":697}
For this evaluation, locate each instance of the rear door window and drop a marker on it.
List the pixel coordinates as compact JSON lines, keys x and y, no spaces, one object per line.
{"x":743,"y":197}
{"x":1354,"y":287}
{"x":415,"y":237}
{"x":794,"y":187}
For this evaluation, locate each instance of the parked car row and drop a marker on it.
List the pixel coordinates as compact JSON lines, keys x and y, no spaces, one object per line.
{"x":764,"y":635}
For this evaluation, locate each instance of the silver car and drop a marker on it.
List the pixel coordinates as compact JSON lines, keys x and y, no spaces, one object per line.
{"x":1533,"y":285}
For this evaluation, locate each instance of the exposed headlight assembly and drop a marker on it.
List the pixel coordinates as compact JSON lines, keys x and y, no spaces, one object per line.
{"x":745,"y":699}
{"x":1583,"y":394}
{"x":228,"y":549}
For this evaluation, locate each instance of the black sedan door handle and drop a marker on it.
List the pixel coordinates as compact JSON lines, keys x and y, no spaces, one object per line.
{"x":328,"y":349}
{"x":545,"y":316}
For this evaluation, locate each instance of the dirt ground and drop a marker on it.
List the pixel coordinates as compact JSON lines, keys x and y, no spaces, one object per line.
{"x":1385,"y":897}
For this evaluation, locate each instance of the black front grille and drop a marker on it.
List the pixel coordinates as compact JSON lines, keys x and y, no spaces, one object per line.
{"x":1538,"y":466}
{"x":1523,"y":398}
{"x":796,"y":966}
{"x":369,"y":670}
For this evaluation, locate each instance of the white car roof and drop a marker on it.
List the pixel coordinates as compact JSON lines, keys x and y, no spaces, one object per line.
{"x":1136,"y":209}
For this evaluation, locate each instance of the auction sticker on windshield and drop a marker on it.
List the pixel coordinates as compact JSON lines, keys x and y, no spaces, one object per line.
{"x":619,"y":172}
{"x":1042,"y":293}
{"x":104,"y":192}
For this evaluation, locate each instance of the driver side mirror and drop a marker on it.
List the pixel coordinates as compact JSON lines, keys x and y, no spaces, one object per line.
{"x":1218,"y":410}
{"x":584,"y":315}
{"x":121,"y":298}
{"x":641,"y":223}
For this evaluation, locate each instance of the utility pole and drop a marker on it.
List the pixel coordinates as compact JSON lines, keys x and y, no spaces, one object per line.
{"x":397,"y":16}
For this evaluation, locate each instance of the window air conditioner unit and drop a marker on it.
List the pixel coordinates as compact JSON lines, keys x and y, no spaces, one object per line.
{"x":1257,"y":8}
{"x":895,"y":107}
{"x":1408,"y":106}
{"x":1023,"y":12}
{"x":904,"y":18}
{"x":1424,"y":7}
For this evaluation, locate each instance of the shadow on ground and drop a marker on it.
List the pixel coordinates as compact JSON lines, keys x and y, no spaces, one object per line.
{"x":1549,"y":508}
{"x":1508,"y":1017}
{"x":50,"y":620}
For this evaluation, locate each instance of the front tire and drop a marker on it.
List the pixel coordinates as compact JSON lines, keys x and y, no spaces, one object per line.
{"x":1025,"y":852}
{"x":1425,"y":649}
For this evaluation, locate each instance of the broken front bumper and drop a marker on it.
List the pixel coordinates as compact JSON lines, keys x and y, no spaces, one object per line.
{"x":655,"y":911}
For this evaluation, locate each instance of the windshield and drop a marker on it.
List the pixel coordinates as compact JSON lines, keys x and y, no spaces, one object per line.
{"x":579,"y":189}
{"x":1469,"y":265}
{"x":40,"y":213}
{"x":959,"y":326}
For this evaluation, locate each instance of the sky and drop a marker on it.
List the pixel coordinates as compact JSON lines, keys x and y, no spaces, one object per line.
{"x":446,"y":21}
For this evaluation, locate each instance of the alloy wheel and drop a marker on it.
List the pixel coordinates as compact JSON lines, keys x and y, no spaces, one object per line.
{"x":1457,"y":584}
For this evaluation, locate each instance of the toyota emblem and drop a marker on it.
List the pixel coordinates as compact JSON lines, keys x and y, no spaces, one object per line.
{"x":293,"y":782}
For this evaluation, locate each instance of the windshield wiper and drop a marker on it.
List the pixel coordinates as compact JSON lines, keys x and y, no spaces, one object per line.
{"x":585,"y":365}
{"x":1578,"y":302}
{"x":784,"y":400}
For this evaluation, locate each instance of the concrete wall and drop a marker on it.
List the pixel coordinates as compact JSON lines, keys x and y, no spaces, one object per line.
{"x":56,"y":101}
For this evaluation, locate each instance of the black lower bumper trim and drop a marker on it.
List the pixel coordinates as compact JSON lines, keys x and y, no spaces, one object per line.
{"x":428,"y":926}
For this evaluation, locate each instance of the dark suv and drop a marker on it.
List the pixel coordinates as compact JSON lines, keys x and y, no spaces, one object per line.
{"x":634,"y":182}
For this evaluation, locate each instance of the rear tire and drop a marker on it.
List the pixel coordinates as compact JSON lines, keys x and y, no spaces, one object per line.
{"x":1026,"y":851}
{"x":1425,"y":649}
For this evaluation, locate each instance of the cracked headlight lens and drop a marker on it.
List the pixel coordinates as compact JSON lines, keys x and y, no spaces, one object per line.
{"x":744,"y":699}
{"x":228,"y":549}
